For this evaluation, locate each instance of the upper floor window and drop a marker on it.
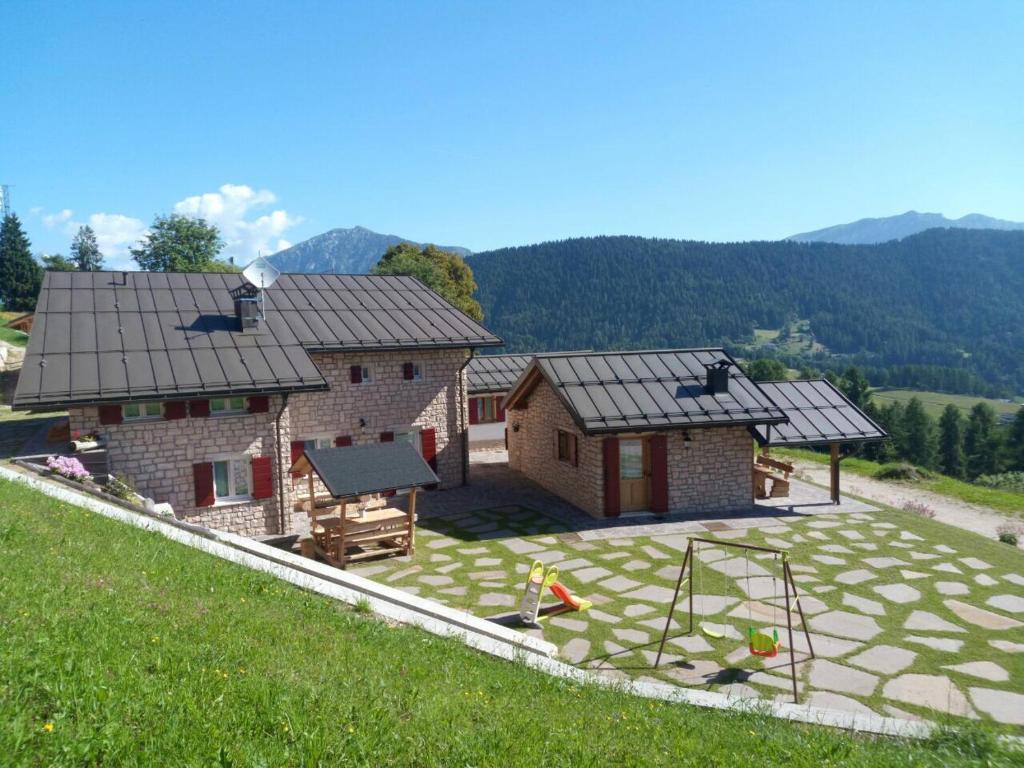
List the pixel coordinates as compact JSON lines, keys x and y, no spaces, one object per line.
{"x":566,"y":447}
{"x":231,"y":478}
{"x":225,"y":405}
{"x":360,"y":374}
{"x":139,"y":411}
{"x":318,"y":442}
{"x":412,"y":372}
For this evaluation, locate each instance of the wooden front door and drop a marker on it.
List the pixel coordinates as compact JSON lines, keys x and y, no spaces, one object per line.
{"x":634,"y":474}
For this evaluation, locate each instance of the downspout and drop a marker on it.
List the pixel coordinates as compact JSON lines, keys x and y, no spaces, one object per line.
{"x":280,"y":471}
{"x":463,"y":428}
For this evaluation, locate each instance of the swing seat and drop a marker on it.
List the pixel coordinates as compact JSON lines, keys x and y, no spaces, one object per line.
{"x":764,"y":645}
{"x":711,"y":632}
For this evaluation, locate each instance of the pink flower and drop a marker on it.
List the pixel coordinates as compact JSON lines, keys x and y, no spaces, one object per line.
{"x":67,"y":466}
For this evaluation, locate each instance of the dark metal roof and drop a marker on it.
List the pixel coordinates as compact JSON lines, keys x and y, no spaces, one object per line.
{"x":495,"y":373}
{"x":370,"y":468}
{"x":113,"y":336}
{"x":640,"y":391}
{"x":818,"y":413}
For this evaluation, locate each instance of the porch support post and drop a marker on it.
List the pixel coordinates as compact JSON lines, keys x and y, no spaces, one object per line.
{"x":834,"y":473}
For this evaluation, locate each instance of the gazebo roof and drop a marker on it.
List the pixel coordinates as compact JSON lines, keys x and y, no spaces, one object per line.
{"x":356,"y":470}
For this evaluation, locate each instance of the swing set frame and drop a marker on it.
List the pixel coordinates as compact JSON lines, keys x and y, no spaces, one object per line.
{"x":787,"y":581}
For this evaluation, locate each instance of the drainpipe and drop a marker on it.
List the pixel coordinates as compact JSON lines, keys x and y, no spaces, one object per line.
{"x":463,"y":428}
{"x":280,"y":472}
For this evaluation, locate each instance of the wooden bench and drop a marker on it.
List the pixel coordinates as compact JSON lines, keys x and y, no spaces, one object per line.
{"x":762,"y":474}
{"x":351,"y":530}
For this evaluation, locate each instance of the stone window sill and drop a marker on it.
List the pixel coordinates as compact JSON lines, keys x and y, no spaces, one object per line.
{"x":233,"y":502}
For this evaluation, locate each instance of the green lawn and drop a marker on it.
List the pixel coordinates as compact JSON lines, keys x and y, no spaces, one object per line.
{"x":123,"y":648}
{"x":935,"y":402}
{"x":994,"y":498}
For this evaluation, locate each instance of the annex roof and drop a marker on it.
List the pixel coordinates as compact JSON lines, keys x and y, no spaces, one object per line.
{"x":370,"y":468}
{"x":642,"y":391}
{"x":115,"y":336}
{"x":818,"y":414}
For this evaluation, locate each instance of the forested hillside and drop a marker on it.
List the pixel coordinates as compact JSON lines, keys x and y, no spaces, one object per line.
{"x":944,"y":308}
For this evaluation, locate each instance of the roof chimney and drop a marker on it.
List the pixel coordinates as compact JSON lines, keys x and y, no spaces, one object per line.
{"x":717,"y":381}
{"x":247,"y":306}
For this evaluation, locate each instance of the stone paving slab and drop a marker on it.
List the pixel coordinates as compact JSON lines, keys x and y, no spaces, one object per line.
{"x":829,"y":700}
{"x":986,"y":670}
{"x":884,"y":659}
{"x":898,"y":593}
{"x":931,"y":691}
{"x":828,"y":676}
{"x":1002,"y":706}
{"x":1007,"y":646}
{"x":951,"y":588}
{"x":1008,"y":603}
{"x":947,"y":644}
{"x":980,"y":617}
{"x":863,"y":604}
{"x":924,"y":621}
{"x":855,"y":577}
{"x":845,"y":624}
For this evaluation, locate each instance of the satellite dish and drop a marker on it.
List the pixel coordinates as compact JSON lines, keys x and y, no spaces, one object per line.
{"x":261,"y":273}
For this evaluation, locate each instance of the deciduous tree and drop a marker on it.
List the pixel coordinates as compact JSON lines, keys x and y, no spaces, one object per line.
{"x":85,"y":251}
{"x":765,"y":369}
{"x":444,"y":272}
{"x":55,"y":262}
{"x":179,"y":243}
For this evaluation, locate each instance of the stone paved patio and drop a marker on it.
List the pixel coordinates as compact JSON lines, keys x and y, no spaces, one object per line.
{"x":936,"y":641}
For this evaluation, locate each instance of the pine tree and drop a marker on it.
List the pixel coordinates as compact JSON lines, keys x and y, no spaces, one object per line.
{"x":1015,"y":442}
{"x":918,"y":439}
{"x":981,"y":441}
{"x":952,"y":460}
{"x":85,"y":251}
{"x":20,"y":274}
{"x":856,"y":387}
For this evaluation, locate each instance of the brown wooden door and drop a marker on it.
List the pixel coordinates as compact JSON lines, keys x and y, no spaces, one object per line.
{"x":634,"y":474}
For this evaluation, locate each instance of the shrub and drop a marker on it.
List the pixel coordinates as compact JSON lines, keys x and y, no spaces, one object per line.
{"x":122,"y":488}
{"x":919,"y":509}
{"x":1004,"y":481}
{"x":901,"y":471}
{"x":69,"y":467}
{"x":1010,"y":533}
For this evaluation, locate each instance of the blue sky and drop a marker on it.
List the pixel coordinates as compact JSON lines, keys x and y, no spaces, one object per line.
{"x":486,"y":125}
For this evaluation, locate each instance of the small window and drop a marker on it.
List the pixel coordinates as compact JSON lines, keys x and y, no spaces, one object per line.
{"x":139,"y":411}
{"x":231,"y":479}
{"x":417,"y":372}
{"x":220,"y":406}
{"x":486,"y":410}
{"x":566,"y":447}
{"x":318,"y":442}
{"x":365,"y":375}
{"x":411,"y":436}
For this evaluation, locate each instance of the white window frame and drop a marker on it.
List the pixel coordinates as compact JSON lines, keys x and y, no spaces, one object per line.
{"x":417,"y":441}
{"x":143,"y":406}
{"x":327,"y":440}
{"x":232,"y":497}
{"x":365,"y":375}
{"x":228,"y":410}
{"x":417,"y":372}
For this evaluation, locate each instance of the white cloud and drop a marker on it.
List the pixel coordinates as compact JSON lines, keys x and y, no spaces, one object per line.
{"x":115,"y":235}
{"x":52,"y":220}
{"x":231,"y":209}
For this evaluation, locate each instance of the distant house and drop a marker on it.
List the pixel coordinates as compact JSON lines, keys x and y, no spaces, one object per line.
{"x":661,"y":431}
{"x":206,"y":405}
{"x":22,"y":323}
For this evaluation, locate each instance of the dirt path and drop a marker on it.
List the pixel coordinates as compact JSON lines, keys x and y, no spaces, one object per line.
{"x":970,"y":517}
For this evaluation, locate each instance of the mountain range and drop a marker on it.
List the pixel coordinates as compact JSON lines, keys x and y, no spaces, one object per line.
{"x":867,"y":231}
{"x":351,"y":251}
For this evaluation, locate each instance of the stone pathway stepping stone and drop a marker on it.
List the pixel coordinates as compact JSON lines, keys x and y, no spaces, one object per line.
{"x":947,"y":568}
{"x":911,"y":575}
{"x":980,"y":617}
{"x":738,"y":657}
{"x":493,"y":584}
{"x":484,"y":562}
{"x":635,"y":565}
{"x":884,"y":562}
{"x":828,"y":700}
{"x":709,"y":605}
{"x":944,"y":548}
{"x":1001,"y":706}
{"x":1015,"y":578}
{"x":441,"y":543}
{"x":836,"y":549}
{"x":696,"y":672}
{"x":658,"y":624}
{"x":435,"y":580}
{"x":1007,"y":646}
{"x":824,"y":588}
{"x":855,"y":577}
{"x":884,"y":659}
{"x":900,"y":544}
{"x":889,"y":526}
{"x":908,"y":536}
{"x":975,"y":563}
{"x":693,"y":644}
{"x":607,"y":618}
{"x":651,"y":593}
{"x":809,"y":603}
{"x":621,"y":542}
{"x":825,"y":646}
{"x":576,"y":650}
{"x":923,"y":621}
{"x":898,"y":593}
{"x":1009,"y":603}
{"x":852,"y":535}
{"x":521,"y":546}
{"x":573,"y":625}
{"x":440,"y":557}
{"x":496,"y":599}
{"x":818,"y":535}
{"x":828,"y":560}
{"x":862,"y":604}
{"x":760,"y":677}
{"x":760,"y":587}
{"x":636,"y":609}
{"x":947,"y":644}
{"x":951,"y":588}
{"x":614,"y":649}
{"x":631,"y":636}
{"x":752,"y":610}
{"x":845,"y":624}
{"x":487,"y":575}
{"x":984,"y":580}
{"x":706,"y":555}
{"x":740,"y":533}
{"x":372,"y":570}
{"x":404,"y":572}
{"x":802,"y":568}
{"x":587,"y":575}
{"x":828,"y":676}
{"x":932,"y":691}
{"x":614,"y":555}
{"x":669,"y":572}
{"x":455,"y":591}
{"x":924,"y":556}
{"x":737,"y":567}
{"x":654,"y":552}
{"x":739,"y":691}
{"x":777,"y":543}
{"x":823,"y":524}
{"x":573,"y":564}
{"x":986,"y":670}
{"x":666,"y":658}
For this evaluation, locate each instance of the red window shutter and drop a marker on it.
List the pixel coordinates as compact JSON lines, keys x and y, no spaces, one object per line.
{"x":110,"y":414}
{"x":499,"y":412}
{"x":298,"y":448}
{"x":474,"y":413}
{"x":343,"y":441}
{"x":175,"y":409}
{"x":355,"y":373}
{"x":387,"y":437}
{"x":612,"y":502}
{"x":407,"y":371}
{"x":259,"y":404}
{"x":199,"y":408}
{"x":262,"y":477}
{"x":202,"y":476}
{"x":428,"y":443}
{"x":659,"y":473}
{"x":575,"y":451}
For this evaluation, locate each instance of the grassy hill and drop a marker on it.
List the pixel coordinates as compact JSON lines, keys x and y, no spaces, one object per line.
{"x":935,"y":402}
{"x":123,"y":648}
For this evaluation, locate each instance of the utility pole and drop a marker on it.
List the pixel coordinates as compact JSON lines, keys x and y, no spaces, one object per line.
{"x":5,"y":200}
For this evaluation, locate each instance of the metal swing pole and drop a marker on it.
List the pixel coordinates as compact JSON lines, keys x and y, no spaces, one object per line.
{"x":675,"y":598}
{"x":789,"y":625}
{"x":796,"y":597}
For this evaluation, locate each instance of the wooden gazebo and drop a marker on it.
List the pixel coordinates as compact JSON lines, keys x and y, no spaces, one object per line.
{"x":349,"y":499}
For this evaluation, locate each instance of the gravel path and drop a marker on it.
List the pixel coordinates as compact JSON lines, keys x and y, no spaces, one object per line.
{"x":970,"y":517}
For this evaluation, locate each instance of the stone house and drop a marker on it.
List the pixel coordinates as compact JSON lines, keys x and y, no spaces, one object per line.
{"x":205,"y":392}
{"x":639,"y":431}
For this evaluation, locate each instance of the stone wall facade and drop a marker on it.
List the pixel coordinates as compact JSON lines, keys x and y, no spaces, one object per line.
{"x":712,"y":472}
{"x":157,"y":455}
